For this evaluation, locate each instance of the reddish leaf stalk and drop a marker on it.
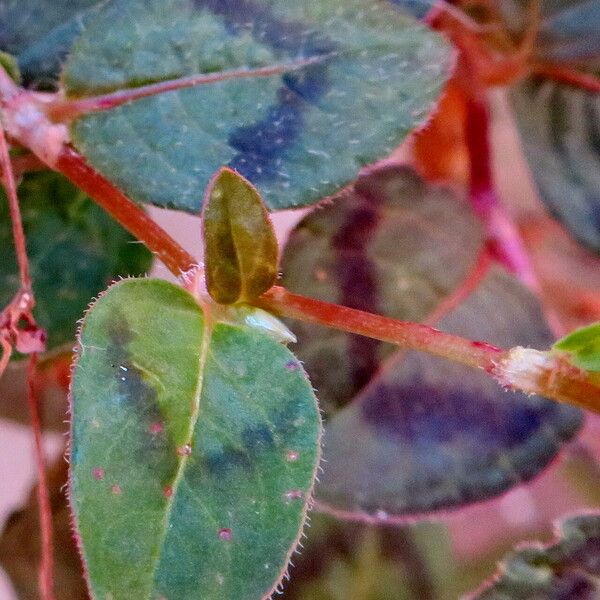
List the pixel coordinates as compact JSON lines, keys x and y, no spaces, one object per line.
{"x":10,"y":186}
{"x":414,"y":336}
{"x":585,"y":81}
{"x":504,"y":237}
{"x":46,"y":572}
{"x":131,"y":216}
{"x":65,"y":110}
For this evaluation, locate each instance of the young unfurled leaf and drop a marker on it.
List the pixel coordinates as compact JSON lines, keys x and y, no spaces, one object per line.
{"x":75,"y":249}
{"x":240,"y":247}
{"x":566,"y":570}
{"x":193,"y":451}
{"x":350,"y":80}
{"x":584,"y":346}
{"x":409,"y":433}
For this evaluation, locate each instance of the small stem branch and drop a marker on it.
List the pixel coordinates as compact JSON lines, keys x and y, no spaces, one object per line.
{"x":46,"y":572}
{"x":502,"y":232}
{"x":414,"y":336}
{"x":585,"y":81}
{"x":549,"y":374}
{"x":15,"y":214}
{"x":66,"y":110}
{"x":133,"y":218}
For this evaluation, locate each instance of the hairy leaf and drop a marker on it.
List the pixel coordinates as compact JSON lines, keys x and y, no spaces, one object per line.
{"x":74,"y":251}
{"x":240,"y":247}
{"x":298,"y":135}
{"x":193,"y":450}
{"x":40,"y":33}
{"x":584,"y":346}
{"x":560,"y":123}
{"x":565,"y":570}
{"x":415,"y":433}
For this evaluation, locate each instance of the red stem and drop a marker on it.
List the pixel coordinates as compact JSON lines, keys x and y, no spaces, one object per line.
{"x":414,"y":336}
{"x":46,"y":573}
{"x":64,"y":110}
{"x":585,"y":81}
{"x":131,"y":216}
{"x":503,"y":235}
{"x":15,"y":214}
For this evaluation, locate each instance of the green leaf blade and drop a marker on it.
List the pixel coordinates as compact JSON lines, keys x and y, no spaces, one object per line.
{"x":214,"y":515}
{"x":240,"y":247}
{"x":75,"y":249}
{"x":298,"y":136}
{"x":584,"y":346}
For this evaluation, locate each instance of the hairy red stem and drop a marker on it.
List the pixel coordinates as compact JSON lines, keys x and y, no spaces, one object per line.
{"x":131,"y":216}
{"x":64,"y":110}
{"x":415,"y":336}
{"x":46,"y":572}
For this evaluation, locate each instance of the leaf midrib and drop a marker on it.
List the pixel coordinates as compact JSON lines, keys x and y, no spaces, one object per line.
{"x":206,"y":338}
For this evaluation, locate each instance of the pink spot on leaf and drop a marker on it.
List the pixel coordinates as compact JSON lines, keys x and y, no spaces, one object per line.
{"x":225,"y":534}
{"x":98,"y":473}
{"x":292,"y":495}
{"x":116,"y":489}
{"x":292,"y":455}
{"x":167,"y":491}
{"x":155,"y":428}
{"x":184,"y":450}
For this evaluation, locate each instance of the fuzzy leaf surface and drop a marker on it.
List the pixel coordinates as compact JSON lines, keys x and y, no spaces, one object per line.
{"x":565,"y":570}
{"x":74,"y":251}
{"x":560,"y":123}
{"x":40,"y":32}
{"x":298,"y":136}
{"x":240,"y":247}
{"x":409,"y":433}
{"x":193,"y":450}
{"x":584,"y":346}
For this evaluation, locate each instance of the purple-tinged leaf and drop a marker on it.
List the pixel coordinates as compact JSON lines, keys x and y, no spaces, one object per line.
{"x":415,"y":433}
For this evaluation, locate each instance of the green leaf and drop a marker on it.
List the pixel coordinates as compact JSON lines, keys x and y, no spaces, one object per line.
{"x":75,"y":249}
{"x":40,"y":33}
{"x":584,"y":346}
{"x":193,"y":450}
{"x":240,"y":247}
{"x":374,"y":75}
{"x":565,"y":570}
{"x":409,"y":433}
{"x":559,"y":123}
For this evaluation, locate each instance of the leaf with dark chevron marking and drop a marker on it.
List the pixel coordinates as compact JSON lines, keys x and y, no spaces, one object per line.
{"x":560,"y":123}
{"x":408,"y":433}
{"x":370,"y":75}
{"x":568,"y":569}
{"x":194,"y":446}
